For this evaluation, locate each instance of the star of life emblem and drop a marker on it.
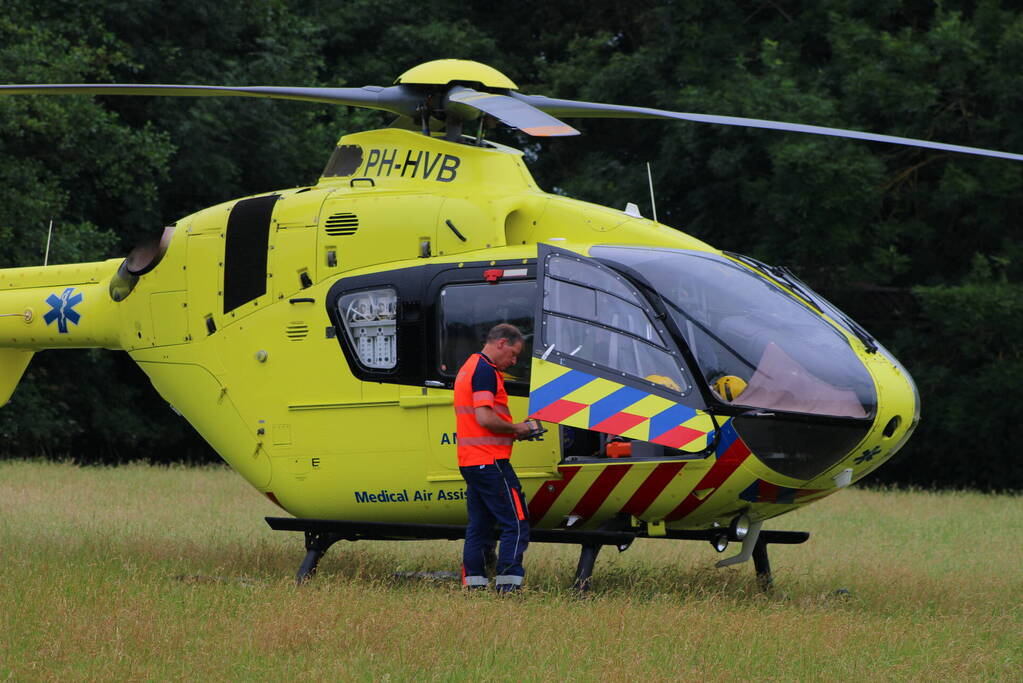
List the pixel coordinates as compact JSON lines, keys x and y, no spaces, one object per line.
{"x":62,"y":309}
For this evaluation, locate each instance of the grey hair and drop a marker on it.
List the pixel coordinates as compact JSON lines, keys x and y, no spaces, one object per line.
{"x":505,"y":331}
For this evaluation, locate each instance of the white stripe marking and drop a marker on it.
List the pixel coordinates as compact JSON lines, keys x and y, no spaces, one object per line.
{"x":508,"y":580}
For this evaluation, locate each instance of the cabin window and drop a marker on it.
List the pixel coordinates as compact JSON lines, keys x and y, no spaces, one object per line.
{"x":469,"y":311}
{"x":369,"y":319}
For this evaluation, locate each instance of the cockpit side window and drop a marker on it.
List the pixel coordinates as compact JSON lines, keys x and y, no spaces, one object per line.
{"x":597,"y":306}
{"x":580,"y":272}
{"x":597,"y":318}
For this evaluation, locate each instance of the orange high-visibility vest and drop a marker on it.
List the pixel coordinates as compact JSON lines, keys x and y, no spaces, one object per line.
{"x":477,"y":445}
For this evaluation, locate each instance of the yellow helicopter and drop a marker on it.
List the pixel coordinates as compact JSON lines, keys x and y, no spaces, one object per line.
{"x":312,"y":336}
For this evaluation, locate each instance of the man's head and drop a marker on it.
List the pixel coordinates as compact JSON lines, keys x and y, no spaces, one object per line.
{"x":503,"y":346}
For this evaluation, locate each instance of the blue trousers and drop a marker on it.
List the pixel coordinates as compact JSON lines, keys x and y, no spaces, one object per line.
{"x":494,"y":497}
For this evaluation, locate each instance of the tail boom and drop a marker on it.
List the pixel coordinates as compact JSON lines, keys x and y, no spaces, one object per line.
{"x":49,"y":307}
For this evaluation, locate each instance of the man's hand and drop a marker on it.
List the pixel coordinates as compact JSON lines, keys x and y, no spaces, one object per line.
{"x":524,"y":429}
{"x":536,"y":431}
{"x":486,"y":416}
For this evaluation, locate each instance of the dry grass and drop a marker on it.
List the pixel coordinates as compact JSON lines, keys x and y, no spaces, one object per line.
{"x":153,"y":573}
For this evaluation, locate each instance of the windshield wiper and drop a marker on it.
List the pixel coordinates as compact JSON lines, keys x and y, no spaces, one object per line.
{"x":786,"y":276}
{"x":783,"y":275}
{"x":869,"y":342}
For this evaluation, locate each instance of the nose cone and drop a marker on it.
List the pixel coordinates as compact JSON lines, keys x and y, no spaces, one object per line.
{"x":829,"y":452}
{"x":898,"y":413}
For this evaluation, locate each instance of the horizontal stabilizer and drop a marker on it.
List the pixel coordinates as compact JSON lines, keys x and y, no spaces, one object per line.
{"x":12,"y":366}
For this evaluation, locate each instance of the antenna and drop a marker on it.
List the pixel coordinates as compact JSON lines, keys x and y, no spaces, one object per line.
{"x":650,"y":181}
{"x":46,"y":256}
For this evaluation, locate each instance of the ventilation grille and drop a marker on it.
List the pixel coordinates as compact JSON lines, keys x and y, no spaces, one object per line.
{"x":341,"y":224}
{"x":296,"y":331}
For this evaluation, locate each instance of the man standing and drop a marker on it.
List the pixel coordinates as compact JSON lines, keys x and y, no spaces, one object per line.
{"x":485,"y":437}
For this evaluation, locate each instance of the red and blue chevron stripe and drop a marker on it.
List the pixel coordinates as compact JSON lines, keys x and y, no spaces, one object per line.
{"x":613,"y":408}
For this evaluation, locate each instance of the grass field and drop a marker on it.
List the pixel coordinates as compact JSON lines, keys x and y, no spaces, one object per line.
{"x":153,"y":573}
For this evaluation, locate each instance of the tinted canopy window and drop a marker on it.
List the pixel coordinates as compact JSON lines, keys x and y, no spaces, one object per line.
{"x":756,"y":344}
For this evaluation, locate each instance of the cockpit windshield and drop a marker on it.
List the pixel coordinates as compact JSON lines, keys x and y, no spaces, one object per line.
{"x":757,"y":345}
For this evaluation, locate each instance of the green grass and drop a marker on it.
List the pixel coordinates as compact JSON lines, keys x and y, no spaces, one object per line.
{"x":170,"y":573}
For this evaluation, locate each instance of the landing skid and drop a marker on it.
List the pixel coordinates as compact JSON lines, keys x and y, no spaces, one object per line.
{"x":321,"y":534}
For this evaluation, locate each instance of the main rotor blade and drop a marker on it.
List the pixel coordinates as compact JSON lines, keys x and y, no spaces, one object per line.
{"x":466,"y":103}
{"x":572,"y":108}
{"x":398,"y":99}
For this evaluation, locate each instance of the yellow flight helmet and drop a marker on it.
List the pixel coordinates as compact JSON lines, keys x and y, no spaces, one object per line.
{"x":664,"y":382}
{"x":729,"y":387}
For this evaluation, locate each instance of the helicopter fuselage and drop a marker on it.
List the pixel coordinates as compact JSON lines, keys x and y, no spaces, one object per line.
{"x":312,"y":336}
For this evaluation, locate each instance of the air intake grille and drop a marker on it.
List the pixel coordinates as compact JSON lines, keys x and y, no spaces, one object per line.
{"x":340,"y":224}
{"x":296,"y":331}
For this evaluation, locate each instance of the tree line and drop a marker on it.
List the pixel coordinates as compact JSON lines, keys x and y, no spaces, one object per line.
{"x":922,"y":247}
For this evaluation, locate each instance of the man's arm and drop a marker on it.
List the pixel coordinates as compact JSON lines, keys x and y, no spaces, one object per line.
{"x":486,"y":417}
